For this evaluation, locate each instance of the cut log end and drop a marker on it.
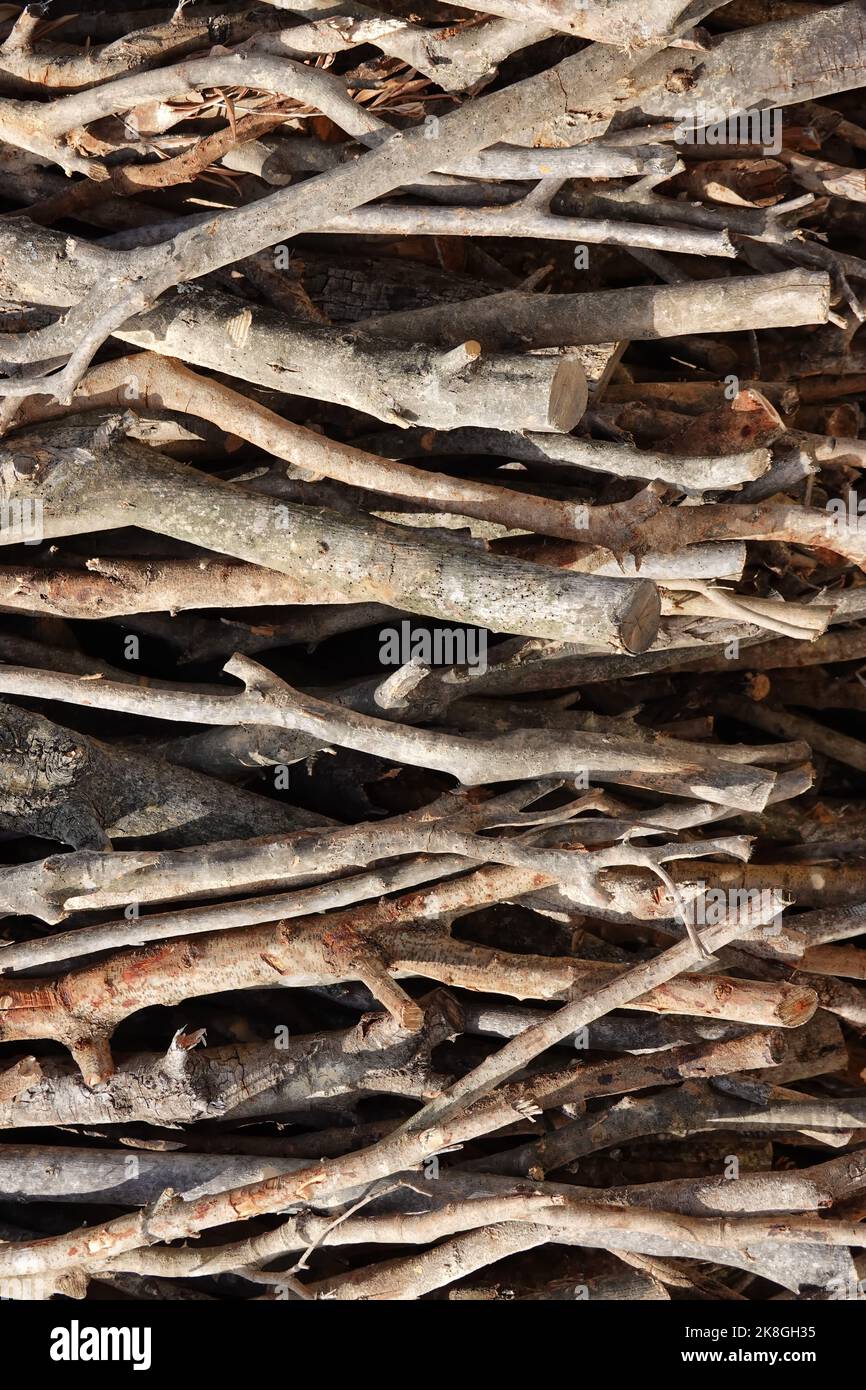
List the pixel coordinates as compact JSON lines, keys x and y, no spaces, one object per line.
{"x":568,"y":396}
{"x":796,"y":1005}
{"x":640,"y":621}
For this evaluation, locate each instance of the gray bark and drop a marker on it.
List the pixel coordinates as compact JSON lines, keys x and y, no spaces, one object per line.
{"x":324,"y":553}
{"x":209,"y":328}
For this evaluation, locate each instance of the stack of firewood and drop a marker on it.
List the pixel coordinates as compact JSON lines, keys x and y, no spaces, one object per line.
{"x":431,"y":776}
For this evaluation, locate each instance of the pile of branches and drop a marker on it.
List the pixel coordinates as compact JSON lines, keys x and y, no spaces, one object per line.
{"x":430,"y":781}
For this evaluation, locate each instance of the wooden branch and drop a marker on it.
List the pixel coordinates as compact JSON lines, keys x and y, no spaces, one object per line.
{"x":524,"y":220}
{"x":646,"y":312}
{"x":183,"y":1085}
{"x":268,"y":700}
{"x":83,"y":793}
{"x":274,"y":159}
{"x":453,"y":58}
{"x":361,"y":559}
{"x":212,"y":329}
{"x":692,"y":473}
